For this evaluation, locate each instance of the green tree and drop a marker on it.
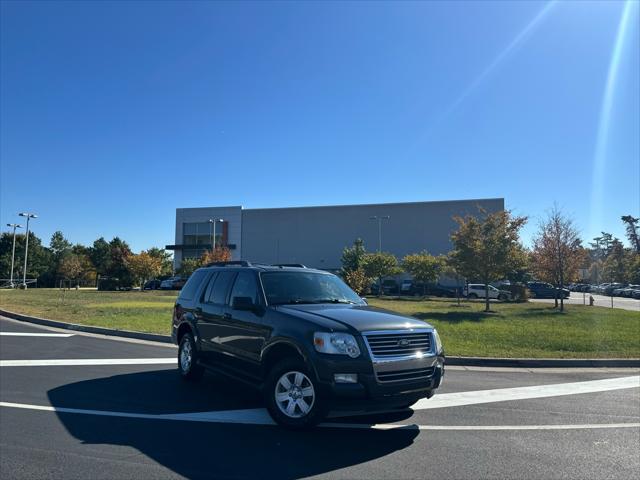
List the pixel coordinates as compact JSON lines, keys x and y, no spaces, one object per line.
{"x":40,"y":259}
{"x":100,"y":254}
{"x":615,"y":265}
{"x":352,"y":257}
{"x":166,"y":260}
{"x":423,"y":267}
{"x":487,"y":247}
{"x":631,"y":224}
{"x":144,"y":266}
{"x":117,"y":267}
{"x":188,"y":266}
{"x":379,"y":265}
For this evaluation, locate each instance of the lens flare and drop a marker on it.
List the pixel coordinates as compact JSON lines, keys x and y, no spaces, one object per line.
{"x":600,"y":157}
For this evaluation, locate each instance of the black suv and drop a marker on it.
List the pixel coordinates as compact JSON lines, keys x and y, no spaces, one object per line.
{"x":546,"y":290}
{"x":306,"y":339}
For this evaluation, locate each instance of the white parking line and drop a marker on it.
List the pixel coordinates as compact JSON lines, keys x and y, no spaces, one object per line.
{"x":261,"y":417}
{"x":523,"y":393}
{"x":28,"y":334}
{"x":88,"y":361}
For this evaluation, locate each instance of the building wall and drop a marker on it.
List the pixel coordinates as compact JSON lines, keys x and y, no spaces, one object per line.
{"x":316,"y":236}
{"x":232,"y":215}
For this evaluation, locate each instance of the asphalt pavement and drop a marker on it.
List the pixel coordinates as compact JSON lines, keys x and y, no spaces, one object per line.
{"x":75,"y":405}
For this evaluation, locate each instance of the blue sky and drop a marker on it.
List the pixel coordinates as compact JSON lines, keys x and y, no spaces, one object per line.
{"x":115,"y":113}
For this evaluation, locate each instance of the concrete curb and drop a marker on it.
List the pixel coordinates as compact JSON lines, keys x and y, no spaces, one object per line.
{"x":460,"y":361}
{"x":151,"y":337}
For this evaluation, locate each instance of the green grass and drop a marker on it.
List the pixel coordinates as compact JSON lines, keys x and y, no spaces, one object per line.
{"x":138,"y":311}
{"x":528,"y":330}
{"x":512,"y":330}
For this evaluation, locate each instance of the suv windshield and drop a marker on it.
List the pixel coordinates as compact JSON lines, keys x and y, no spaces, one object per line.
{"x":283,"y":288}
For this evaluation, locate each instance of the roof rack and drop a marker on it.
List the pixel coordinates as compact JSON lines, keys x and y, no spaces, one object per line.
{"x":239,"y":263}
{"x":295,"y":265}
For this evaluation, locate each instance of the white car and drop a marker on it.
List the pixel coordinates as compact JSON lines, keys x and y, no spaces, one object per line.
{"x":478,"y":290}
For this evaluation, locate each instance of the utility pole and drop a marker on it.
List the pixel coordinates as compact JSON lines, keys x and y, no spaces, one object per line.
{"x":13,"y":250}
{"x":212,"y":231}
{"x":379,"y":219}
{"x":29,"y":216}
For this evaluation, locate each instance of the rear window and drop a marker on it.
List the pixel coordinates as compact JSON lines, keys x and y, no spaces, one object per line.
{"x":191,"y":287}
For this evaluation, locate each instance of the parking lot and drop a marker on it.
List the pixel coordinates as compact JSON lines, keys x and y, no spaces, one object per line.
{"x":82,"y":406}
{"x":579,"y":298}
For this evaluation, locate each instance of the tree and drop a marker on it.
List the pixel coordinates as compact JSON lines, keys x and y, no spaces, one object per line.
{"x":144,"y":266}
{"x":632,"y":231}
{"x":219,"y":254}
{"x":357,"y":280}
{"x":378,"y":265}
{"x":615,"y":265}
{"x":188,"y":266}
{"x":59,"y":245}
{"x":165,"y":259}
{"x":557,"y":250}
{"x":100,"y":255}
{"x":487,"y":247}
{"x":74,"y":266}
{"x":352,"y":257}
{"x":423,"y":267}
{"x":117,"y":267}
{"x":39,"y":263}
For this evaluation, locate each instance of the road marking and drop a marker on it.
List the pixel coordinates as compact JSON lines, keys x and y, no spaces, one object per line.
{"x":260,"y":416}
{"x":524,"y":393}
{"x":25,"y":334}
{"x":88,"y":361}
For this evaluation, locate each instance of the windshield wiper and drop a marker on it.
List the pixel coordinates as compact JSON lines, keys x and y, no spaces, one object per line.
{"x":333,"y":300}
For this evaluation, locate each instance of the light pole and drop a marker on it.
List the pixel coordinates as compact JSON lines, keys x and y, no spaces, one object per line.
{"x":13,"y":250}
{"x":29,"y":216}
{"x":212,"y":231}
{"x":379,"y":219}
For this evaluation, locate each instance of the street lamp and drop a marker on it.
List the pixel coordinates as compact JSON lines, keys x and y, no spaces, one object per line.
{"x":29,"y":216}
{"x":379,"y":219}
{"x":13,"y":250}
{"x":212,"y":231}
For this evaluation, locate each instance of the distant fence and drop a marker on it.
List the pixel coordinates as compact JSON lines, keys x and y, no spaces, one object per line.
{"x":6,"y":282}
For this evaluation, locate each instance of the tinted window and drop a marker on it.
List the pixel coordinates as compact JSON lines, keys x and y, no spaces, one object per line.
{"x":306,"y":287}
{"x":191,"y":287}
{"x":245,"y":286}
{"x":221,"y":287}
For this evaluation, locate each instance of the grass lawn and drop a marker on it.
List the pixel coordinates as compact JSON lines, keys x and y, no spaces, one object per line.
{"x":530,"y":330}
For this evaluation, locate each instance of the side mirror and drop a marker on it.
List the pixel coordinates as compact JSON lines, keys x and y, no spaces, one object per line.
{"x":243,"y":303}
{"x":365,"y":300}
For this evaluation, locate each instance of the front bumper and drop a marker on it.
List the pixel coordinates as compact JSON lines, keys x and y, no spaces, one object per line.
{"x":370,"y":393}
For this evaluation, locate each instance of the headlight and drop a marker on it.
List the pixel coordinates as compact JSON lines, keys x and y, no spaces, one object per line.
{"x":336,"y":343}
{"x":436,"y":338}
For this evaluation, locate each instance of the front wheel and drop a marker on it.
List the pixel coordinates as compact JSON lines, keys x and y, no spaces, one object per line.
{"x":472,"y":296}
{"x":292,"y":395}
{"x":502,"y":297}
{"x":188,"y":359}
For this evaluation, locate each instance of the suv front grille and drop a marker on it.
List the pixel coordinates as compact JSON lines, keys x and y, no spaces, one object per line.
{"x":398,"y":344}
{"x":405,"y":375}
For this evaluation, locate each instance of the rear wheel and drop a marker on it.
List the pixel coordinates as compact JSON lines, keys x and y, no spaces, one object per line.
{"x":502,"y":297}
{"x":292,"y":395}
{"x":472,"y":296}
{"x":188,"y":359}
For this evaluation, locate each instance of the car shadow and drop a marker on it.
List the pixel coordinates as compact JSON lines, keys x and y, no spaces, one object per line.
{"x":212,"y":450}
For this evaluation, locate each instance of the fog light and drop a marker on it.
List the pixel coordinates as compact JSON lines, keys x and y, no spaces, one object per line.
{"x":345,"y":377}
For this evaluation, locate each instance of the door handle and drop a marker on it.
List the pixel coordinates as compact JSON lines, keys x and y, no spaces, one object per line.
{"x":226,"y":315}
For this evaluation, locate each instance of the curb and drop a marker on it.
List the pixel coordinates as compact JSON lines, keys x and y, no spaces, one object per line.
{"x":458,"y":361}
{"x":151,"y":337}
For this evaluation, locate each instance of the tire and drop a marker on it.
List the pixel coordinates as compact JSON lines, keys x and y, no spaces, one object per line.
{"x":502,"y":297}
{"x":188,"y":359}
{"x":293,"y":395}
{"x":472,"y":296}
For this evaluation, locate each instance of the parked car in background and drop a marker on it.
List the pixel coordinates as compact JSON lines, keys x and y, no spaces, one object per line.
{"x":613,"y":287}
{"x":406,"y":287}
{"x":173,"y":283}
{"x":628,"y":292}
{"x":636,"y":294}
{"x":152,"y":284}
{"x":389,"y":287}
{"x":478,"y":290}
{"x":546,"y":290}
{"x":599,"y":289}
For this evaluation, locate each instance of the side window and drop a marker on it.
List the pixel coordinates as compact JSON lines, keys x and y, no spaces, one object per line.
{"x":207,"y":293}
{"x":245,"y":286}
{"x":220,"y":288}
{"x":191,"y":287}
